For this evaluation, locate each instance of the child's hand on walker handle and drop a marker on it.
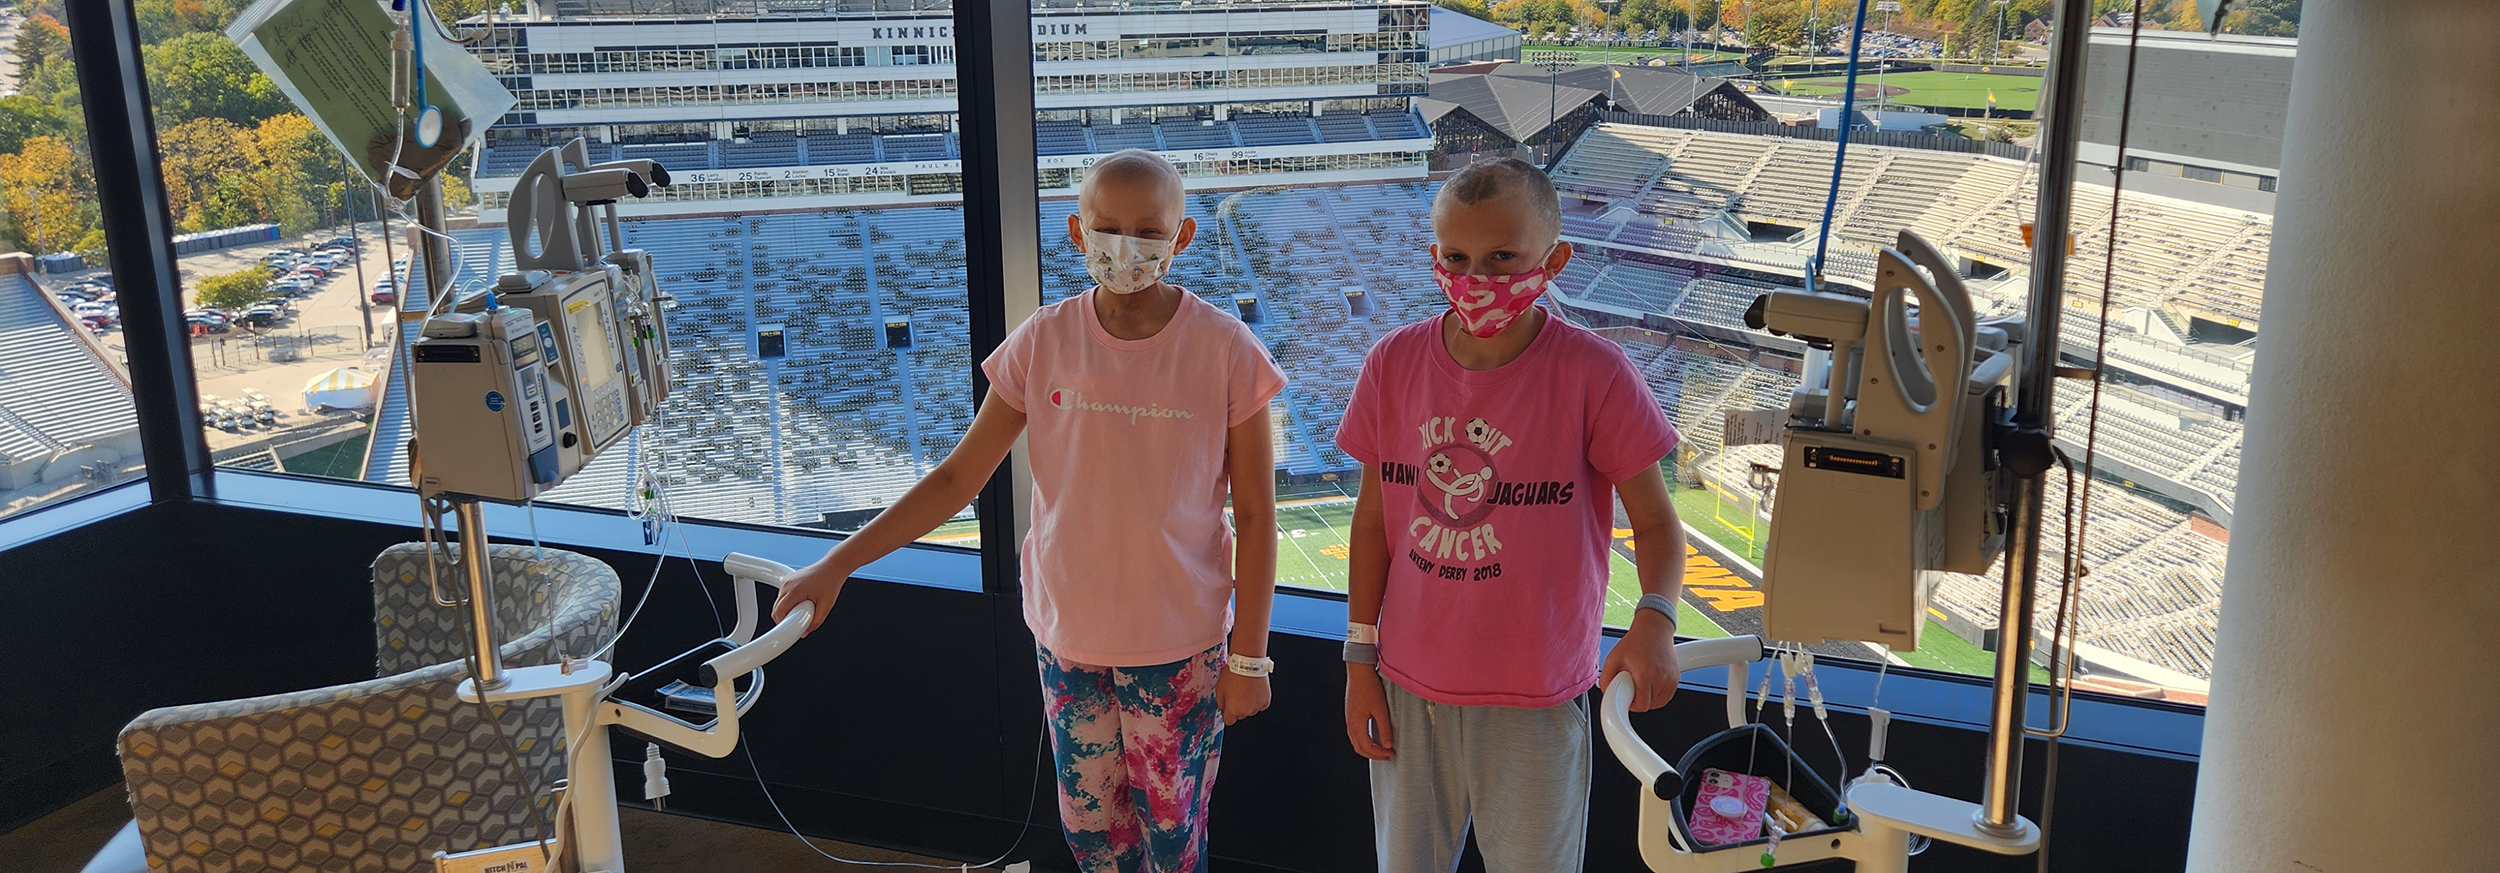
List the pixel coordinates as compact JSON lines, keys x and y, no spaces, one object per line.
{"x":818,"y":583}
{"x":1647,"y":651}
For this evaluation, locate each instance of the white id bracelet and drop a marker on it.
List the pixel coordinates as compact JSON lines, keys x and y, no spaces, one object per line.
{"x":1358,"y":632}
{"x":1255,"y":668}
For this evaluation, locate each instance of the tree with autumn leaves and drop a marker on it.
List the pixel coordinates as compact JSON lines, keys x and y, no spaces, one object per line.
{"x":234,"y":149}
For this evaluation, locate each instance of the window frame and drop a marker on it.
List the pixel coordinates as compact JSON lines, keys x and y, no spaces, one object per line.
{"x":995,"y":80}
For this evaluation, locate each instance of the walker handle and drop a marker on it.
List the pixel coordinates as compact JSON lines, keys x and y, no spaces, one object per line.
{"x":1614,"y":714}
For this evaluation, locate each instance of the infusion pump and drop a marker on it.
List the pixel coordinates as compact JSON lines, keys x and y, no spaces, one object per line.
{"x":580,"y":331}
{"x":1890,"y":476}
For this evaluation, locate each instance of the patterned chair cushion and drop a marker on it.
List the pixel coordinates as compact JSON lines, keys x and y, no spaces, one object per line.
{"x":376,"y":775}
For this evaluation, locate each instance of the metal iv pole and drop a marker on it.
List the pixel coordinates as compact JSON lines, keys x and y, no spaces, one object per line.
{"x":478,"y":582}
{"x":2026,"y":450}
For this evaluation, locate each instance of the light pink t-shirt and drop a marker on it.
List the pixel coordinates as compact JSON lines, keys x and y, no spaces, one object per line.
{"x":1129,"y":562}
{"x":1498,"y":495}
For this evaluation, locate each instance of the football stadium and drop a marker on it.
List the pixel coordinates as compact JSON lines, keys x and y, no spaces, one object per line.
{"x":838,"y":237}
{"x":813,"y":244}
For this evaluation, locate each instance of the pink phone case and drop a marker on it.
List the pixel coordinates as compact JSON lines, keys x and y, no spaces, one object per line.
{"x":1729,"y":807}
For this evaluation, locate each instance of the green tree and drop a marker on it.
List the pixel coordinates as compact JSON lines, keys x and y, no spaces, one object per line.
{"x":44,"y":70}
{"x":1471,"y":8}
{"x":232,"y":291}
{"x":2265,"y":18}
{"x":207,"y":165}
{"x":160,"y":20}
{"x":91,"y":248}
{"x":23,"y":117}
{"x":46,"y":195}
{"x":202,"y":75}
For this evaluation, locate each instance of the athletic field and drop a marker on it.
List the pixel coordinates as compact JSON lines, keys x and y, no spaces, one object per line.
{"x":1311,"y":553}
{"x":1930,"y":88}
{"x":1627,"y":54}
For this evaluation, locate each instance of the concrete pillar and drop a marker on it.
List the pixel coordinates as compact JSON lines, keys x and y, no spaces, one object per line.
{"x":2353,"y":710}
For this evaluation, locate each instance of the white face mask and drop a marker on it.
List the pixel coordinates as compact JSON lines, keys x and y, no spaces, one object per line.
{"x":1126,"y":264}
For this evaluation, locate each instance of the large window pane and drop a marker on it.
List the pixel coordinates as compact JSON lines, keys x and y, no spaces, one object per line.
{"x":1299,"y":131}
{"x":812,"y":242}
{"x":1688,"y":196}
{"x":67,"y":426}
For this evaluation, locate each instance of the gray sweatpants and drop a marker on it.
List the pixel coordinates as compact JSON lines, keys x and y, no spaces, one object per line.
{"x":1520,"y":775}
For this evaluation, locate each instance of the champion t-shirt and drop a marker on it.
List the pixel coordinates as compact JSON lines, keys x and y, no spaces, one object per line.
{"x":1129,"y":561}
{"x":1498,"y":497}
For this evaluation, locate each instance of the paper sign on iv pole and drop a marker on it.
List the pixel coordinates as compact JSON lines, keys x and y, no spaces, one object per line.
{"x":333,"y":59}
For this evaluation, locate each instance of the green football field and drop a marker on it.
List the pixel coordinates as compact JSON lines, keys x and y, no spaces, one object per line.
{"x":1311,"y":553}
{"x":1931,"y":88}
{"x":1627,"y":54}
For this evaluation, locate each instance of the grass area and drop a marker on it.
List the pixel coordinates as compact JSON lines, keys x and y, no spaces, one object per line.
{"x":961,"y":532}
{"x":1712,"y":516}
{"x":1932,"y":88}
{"x":1623,"y":593}
{"x":1311,"y":553}
{"x":1311,"y":548}
{"x":340,"y":460}
{"x":1939,"y":649}
{"x":1628,"y":54}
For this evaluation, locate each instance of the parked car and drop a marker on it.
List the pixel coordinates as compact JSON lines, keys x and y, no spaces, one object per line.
{"x":97,"y":323}
{"x":210,"y":323}
{"x":385,"y":297}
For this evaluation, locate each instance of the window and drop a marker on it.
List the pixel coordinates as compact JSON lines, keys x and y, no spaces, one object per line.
{"x":1300,"y":152}
{"x":1680,"y":224}
{"x":812,"y":244}
{"x":67,"y":426}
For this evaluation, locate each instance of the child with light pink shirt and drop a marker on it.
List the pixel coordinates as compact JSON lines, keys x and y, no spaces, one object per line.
{"x":1146,"y":408}
{"x":1495,"y":442}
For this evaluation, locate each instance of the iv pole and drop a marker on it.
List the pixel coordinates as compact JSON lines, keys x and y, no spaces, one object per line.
{"x":2026,"y":451}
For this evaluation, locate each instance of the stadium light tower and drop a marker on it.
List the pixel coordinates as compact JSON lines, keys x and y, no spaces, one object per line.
{"x":1998,"y":41}
{"x":1887,"y":7}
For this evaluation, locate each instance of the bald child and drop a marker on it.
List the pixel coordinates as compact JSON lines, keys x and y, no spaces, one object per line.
{"x":1146,"y":409}
{"x":1495,"y":442}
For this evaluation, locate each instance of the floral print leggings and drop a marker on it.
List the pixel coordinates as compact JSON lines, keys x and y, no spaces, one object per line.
{"x":1136,"y":749}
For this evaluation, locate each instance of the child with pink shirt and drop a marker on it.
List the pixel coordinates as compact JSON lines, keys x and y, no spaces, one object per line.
{"x":1147,"y":408}
{"x":1495,"y":440}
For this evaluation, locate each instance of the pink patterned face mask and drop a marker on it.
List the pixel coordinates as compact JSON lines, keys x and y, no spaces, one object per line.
{"x":1486,"y":304}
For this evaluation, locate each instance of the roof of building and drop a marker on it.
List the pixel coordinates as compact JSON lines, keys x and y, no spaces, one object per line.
{"x":1521,"y":99}
{"x":1518,"y":107}
{"x":1451,"y":28}
{"x":2220,"y":99}
{"x":56,"y":392}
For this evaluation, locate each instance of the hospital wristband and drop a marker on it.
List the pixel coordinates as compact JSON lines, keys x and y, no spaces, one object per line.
{"x":1358,"y":632}
{"x":1659,"y":604}
{"x":1255,"y":668}
{"x":1361,"y":653}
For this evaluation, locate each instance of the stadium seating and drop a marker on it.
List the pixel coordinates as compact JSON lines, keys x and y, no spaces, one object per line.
{"x":778,"y":148}
{"x":1060,"y":138}
{"x":827,"y":147}
{"x":1276,"y":130}
{"x":1343,"y":127}
{"x":1183,"y":134}
{"x":1133,"y":135}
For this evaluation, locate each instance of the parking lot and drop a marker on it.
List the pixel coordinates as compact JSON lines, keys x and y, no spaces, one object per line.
{"x":325,"y":330}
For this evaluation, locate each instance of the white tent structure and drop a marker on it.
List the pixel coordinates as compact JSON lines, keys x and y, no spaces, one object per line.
{"x":342,"y":388}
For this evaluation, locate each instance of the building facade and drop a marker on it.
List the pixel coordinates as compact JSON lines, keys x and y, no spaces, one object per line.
{"x":844,"y":104}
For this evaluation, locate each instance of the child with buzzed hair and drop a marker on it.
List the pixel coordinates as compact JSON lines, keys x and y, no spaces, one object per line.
{"x":1147,"y":408}
{"x":1495,"y":441}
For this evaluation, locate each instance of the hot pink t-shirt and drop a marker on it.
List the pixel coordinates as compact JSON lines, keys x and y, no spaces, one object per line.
{"x":1498,"y":495}
{"x":1129,"y":562}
